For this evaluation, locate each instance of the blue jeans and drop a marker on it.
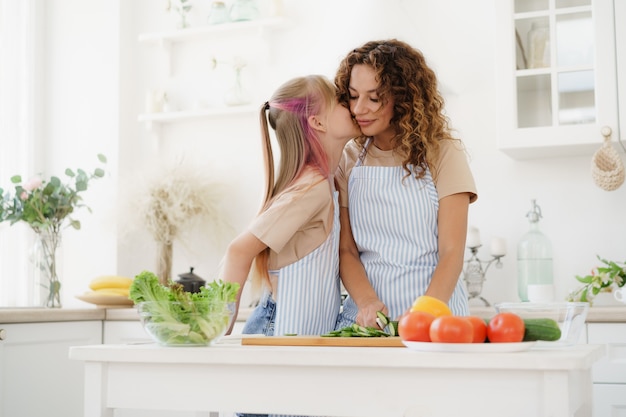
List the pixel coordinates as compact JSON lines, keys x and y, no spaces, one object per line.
{"x":263,"y":317}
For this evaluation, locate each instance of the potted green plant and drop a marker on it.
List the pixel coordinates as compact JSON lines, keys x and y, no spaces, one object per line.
{"x":601,"y":279}
{"x":46,"y":205}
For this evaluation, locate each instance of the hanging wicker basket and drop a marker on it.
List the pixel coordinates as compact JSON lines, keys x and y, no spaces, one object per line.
{"x":607,"y":168}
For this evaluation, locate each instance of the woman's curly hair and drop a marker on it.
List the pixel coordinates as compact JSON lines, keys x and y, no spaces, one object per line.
{"x":418,"y":114}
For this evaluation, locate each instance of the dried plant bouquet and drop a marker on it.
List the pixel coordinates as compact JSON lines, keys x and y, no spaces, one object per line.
{"x":172,"y":201}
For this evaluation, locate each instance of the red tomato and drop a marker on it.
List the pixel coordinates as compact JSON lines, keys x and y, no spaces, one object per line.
{"x":451,"y":329}
{"x":415,"y":326}
{"x":480,"y":329}
{"x":505,"y":327}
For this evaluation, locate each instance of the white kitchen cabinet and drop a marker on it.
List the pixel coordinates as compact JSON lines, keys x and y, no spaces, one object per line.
{"x":122,"y":332}
{"x":556,"y":76}
{"x":37,"y":378}
{"x":609,"y":373}
{"x":131,"y":332}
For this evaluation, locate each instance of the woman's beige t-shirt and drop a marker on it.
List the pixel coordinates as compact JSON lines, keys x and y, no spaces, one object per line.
{"x":297,"y":221}
{"x":452,"y":175}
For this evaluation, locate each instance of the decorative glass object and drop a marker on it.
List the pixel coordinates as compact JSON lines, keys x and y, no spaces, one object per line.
{"x":475,"y":269}
{"x":182,"y":7}
{"x":47,"y":269}
{"x":218,"y":13}
{"x":236,"y":95}
{"x":243,"y":10}
{"x":534,"y":261}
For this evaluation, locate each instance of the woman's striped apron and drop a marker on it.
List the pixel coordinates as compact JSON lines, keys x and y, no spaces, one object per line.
{"x":394,"y":224}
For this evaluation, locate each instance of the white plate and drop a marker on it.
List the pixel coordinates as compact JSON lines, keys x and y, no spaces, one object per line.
{"x":468,"y":347}
{"x":103,"y":300}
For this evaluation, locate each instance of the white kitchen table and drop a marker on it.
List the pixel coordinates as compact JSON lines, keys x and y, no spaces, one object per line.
{"x":338,"y":381}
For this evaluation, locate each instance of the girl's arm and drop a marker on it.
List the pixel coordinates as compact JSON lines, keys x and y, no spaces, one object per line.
{"x":354,"y":277}
{"x":237,"y":263}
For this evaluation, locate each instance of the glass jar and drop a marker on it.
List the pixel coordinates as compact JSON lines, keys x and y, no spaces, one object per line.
{"x":218,"y":13}
{"x":244,"y":10}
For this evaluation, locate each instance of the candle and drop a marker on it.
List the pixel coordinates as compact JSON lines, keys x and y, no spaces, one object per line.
{"x":498,"y":246}
{"x":473,"y":237}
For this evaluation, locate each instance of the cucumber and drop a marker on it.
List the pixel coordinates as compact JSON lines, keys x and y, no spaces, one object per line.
{"x":393,"y":328}
{"x":356,"y":331}
{"x":382,"y":319}
{"x":541,"y":329}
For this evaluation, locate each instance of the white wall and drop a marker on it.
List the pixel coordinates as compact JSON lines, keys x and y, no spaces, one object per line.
{"x":95,"y":106}
{"x":80,"y":120}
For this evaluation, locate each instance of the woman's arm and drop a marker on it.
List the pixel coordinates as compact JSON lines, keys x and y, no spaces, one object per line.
{"x":452,"y":224}
{"x":237,"y":263}
{"x":354,"y":277}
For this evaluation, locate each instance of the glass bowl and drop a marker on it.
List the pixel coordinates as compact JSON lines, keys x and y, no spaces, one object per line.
{"x":569,"y":316}
{"x":185,"y":324}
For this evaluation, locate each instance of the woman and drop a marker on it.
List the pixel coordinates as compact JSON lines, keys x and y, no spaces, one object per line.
{"x":405,"y":187}
{"x":294,"y":239}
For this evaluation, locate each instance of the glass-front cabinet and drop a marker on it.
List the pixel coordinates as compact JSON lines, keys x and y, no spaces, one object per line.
{"x":557,"y":78}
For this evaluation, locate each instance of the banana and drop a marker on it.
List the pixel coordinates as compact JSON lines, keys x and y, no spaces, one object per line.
{"x":110,"y":281}
{"x":112,"y":291}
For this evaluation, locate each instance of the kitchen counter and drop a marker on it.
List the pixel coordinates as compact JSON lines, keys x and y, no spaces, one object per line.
{"x":330,"y":380}
{"x":40,"y":315}
{"x":600,"y":314}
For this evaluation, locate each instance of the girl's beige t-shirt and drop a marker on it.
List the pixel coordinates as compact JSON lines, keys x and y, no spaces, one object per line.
{"x":452,"y":175}
{"x":297,"y":221}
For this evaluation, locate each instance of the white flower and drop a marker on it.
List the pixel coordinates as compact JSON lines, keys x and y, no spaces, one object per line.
{"x":605,"y":277}
{"x":32,"y":184}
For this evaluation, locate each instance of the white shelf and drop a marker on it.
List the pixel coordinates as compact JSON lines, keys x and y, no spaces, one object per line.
{"x":179,"y":116}
{"x":166,"y":40}
{"x":194,"y":33}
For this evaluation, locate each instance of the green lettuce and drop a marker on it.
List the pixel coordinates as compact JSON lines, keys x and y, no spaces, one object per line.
{"x":177,"y":317}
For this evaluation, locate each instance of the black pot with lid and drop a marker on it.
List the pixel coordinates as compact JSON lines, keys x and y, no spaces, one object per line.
{"x":190,"y":281}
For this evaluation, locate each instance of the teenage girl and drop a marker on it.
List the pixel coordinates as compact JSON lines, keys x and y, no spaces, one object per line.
{"x":292,"y":245}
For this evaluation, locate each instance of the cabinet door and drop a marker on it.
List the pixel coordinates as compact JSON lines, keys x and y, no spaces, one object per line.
{"x":37,"y":378}
{"x":612,"y":367}
{"x":609,"y":400}
{"x":557,"y":76}
{"x":116,"y":332}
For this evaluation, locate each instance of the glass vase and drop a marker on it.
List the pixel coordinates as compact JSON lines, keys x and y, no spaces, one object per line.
{"x":46,"y":269}
{"x":236,"y":95}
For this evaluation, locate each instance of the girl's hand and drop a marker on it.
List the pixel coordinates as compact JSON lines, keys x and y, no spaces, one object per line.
{"x":367,"y":313}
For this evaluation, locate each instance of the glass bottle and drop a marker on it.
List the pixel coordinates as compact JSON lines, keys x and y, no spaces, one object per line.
{"x":539,"y":45}
{"x":534,"y":262}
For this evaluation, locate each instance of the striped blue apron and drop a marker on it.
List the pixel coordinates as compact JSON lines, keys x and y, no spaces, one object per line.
{"x":309,"y":293}
{"x":394,"y":224}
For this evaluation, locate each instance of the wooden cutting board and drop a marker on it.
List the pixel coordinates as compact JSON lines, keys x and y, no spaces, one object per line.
{"x":321,"y":341}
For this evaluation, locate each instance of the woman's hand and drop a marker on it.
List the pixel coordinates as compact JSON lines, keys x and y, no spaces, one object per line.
{"x":367,"y":313}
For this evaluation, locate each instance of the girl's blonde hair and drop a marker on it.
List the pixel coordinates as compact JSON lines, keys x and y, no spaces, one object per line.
{"x":418,"y":113}
{"x":287,"y":112}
